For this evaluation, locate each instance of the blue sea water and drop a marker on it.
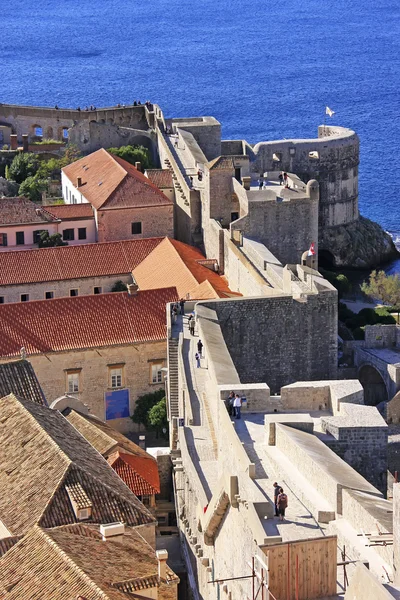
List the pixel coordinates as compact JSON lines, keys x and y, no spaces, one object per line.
{"x":265,"y":69}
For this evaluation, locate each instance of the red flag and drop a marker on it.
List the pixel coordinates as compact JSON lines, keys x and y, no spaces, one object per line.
{"x":311,"y":251}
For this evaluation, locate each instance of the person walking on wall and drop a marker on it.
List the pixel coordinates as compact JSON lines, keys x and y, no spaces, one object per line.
{"x":285,"y":179}
{"x":282,"y":502}
{"x":237,"y":403}
{"x":280,"y":177}
{"x":182,"y":305}
{"x":260,"y":182}
{"x":197,"y":357}
{"x":200,"y":347}
{"x":277,"y":487}
{"x":191,"y":326}
{"x":229,"y":403}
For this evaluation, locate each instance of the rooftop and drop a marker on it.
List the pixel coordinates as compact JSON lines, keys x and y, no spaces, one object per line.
{"x":73,"y":562}
{"x":162,"y":178}
{"x":178,"y":264}
{"x":19,"y":378}
{"x":41,"y":455}
{"x":74,"y":262}
{"x":66,"y":212}
{"x":135,"y":466}
{"x":65,"y":324}
{"x":22,"y":211}
{"x":108,"y":181}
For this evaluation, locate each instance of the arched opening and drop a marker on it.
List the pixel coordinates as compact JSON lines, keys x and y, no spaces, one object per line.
{"x":326,"y":260}
{"x":49,"y":133}
{"x":373,"y":384}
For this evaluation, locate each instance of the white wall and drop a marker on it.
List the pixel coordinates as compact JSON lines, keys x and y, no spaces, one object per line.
{"x":70,"y":193}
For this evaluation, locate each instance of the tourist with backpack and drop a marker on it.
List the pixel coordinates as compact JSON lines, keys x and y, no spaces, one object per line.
{"x":282,"y":503}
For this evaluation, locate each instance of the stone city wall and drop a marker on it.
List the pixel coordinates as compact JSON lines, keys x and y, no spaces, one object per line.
{"x":332,"y":159}
{"x":280,"y":340}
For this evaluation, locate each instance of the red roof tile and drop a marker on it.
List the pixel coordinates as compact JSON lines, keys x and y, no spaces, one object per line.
{"x":178,"y":264}
{"x":84,"y":322}
{"x":108,"y":181}
{"x":162,"y":178}
{"x":22,"y":211}
{"x":139,"y":474}
{"x":66,"y":212}
{"x":74,"y":262}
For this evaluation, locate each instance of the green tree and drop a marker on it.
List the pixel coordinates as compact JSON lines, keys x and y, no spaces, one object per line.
{"x":32,"y":187}
{"x":383,"y":287}
{"x":50,"y":241}
{"x":157,"y":417}
{"x":133,"y":154}
{"x":144,"y":404}
{"x":119,"y":286}
{"x":24,"y":165}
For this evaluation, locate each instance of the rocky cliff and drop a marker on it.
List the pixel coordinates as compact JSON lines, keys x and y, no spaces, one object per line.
{"x":362,"y":244}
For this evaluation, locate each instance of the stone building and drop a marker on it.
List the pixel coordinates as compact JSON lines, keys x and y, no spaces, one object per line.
{"x":104,"y":349}
{"x":126,"y":204}
{"x":22,"y":221}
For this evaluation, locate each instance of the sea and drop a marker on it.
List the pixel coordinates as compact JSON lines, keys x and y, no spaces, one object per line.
{"x":266,"y":70}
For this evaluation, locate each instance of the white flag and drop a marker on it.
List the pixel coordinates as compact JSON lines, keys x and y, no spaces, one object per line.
{"x":329,"y":111}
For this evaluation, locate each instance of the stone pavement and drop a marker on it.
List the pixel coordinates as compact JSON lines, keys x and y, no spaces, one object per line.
{"x":299,"y":522}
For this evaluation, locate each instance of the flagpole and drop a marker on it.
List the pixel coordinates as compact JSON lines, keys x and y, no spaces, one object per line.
{"x":325,"y":121}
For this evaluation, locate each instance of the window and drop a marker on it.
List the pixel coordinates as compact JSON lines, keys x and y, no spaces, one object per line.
{"x":234,"y":216}
{"x":20,"y":238}
{"x":115,"y":376}
{"x":82,"y":233}
{"x":24,"y":297}
{"x":136,"y":228}
{"x":68,"y":234}
{"x":65,"y":133}
{"x":1,"y":299}
{"x":3,"y":239}
{"x":72,"y":381}
{"x":73,"y":293}
{"x":36,"y":235}
{"x":97,"y":290}
{"x":38,"y":131}
{"x":156,"y":373}
{"x":49,"y":295}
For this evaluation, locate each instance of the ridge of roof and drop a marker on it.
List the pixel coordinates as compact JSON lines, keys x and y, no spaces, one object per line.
{"x":221,"y":162}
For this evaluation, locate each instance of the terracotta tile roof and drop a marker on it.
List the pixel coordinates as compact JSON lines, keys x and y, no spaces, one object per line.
{"x":109,"y":182}
{"x":162,"y":178}
{"x":22,"y":211}
{"x":135,"y":466}
{"x":73,"y":561}
{"x":176,"y":263}
{"x":7,"y":543}
{"x":221,"y":163}
{"x":139,"y":474}
{"x":65,"y":324}
{"x":19,"y":378}
{"x":41,"y":454}
{"x":74,"y":262}
{"x":66,"y":212}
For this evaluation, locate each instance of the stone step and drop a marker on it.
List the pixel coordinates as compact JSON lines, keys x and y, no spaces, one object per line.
{"x":320,"y":508}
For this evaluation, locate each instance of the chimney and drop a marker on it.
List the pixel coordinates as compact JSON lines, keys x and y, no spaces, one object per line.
{"x":25,"y":142}
{"x":112,"y":530}
{"x":133,"y":289}
{"x":79,"y":182}
{"x":162,"y":557}
{"x":38,"y":211}
{"x":142,"y":442}
{"x":14,"y":141}
{"x":138,"y":165}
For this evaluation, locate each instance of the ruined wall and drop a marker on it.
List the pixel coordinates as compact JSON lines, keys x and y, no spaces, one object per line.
{"x":333,"y":163}
{"x":280,"y":340}
{"x":90,"y":136}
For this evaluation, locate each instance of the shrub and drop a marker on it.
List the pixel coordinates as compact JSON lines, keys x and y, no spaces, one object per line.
{"x":355,"y":322}
{"x":345,"y":313}
{"x":133,"y":154}
{"x":387,"y":320}
{"x":32,"y":188}
{"x":24,"y":165}
{"x":119,"y":286}
{"x":359,"y":333}
{"x":144,"y":404}
{"x":370,"y":316}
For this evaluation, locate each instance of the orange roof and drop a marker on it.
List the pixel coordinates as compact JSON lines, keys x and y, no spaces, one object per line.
{"x":64,"y":324}
{"x":71,"y":211}
{"x":74,"y":262}
{"x":139,"y":474}
{"x":175,"y":263}
{"x":108,"y":181}
{"x":22,"y":211}
{"x":162,"y":178}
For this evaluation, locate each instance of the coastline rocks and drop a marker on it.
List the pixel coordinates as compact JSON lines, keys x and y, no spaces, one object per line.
{"x":362,"y":244}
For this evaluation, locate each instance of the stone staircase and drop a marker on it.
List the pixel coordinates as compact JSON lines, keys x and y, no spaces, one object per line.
{"x":173,"y":377}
